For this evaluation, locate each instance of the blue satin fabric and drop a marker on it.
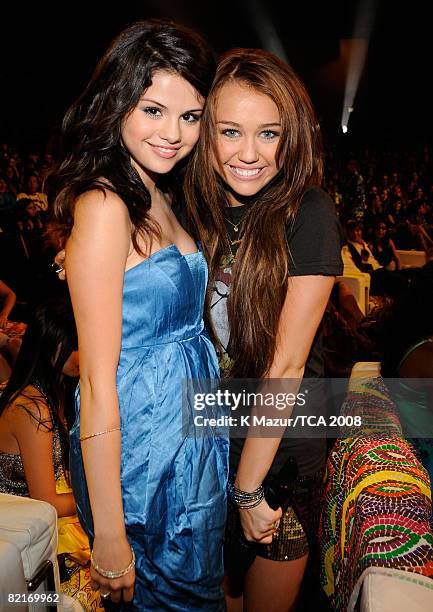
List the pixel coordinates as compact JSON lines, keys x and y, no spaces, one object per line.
{"x":173,"y":485}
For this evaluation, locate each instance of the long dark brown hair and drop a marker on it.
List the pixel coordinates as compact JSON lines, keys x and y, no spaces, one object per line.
{"x":260,"y":273}
{"x":49,"y":340}
{"x":91,"y":131}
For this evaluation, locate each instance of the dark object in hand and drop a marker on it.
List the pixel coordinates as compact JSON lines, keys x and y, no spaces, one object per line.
{"x":239,"y":553}
{"x":279,"y":489}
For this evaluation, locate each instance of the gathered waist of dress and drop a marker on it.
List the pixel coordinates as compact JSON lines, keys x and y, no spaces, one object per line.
{"x":200,"y":332}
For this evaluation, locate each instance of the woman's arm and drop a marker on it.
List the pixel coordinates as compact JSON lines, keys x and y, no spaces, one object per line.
{"x":348,"y":305}
{"x":395,"y":254}
{"x":9,"y":298}
{"x":36,"y":449}
{"x":96,"y":255}
{"x":301,"y":314}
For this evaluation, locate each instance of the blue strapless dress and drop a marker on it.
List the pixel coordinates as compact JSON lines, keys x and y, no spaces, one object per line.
{"x":173,"y":483}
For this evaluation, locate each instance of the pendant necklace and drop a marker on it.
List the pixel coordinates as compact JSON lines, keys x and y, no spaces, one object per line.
{"x":234,"y":225}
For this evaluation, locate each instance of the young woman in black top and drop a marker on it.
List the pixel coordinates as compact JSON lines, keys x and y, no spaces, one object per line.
{"x":273,"y":244}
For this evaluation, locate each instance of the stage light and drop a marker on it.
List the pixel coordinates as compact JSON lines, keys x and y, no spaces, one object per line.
{"x":358,"y":54}
{"x":344,"y":128}
{"x":265,"y":28}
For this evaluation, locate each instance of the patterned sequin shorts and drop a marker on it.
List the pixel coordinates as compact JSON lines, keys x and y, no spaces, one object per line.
{"x":289,"y":543}
{"x":297,"y":531}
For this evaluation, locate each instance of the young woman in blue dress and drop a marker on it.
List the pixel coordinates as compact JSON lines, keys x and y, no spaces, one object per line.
{"x":137,"y":281}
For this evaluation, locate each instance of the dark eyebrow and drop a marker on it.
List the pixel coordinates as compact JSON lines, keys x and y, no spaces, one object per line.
{"x":263,"y":125}
{"x":153,"y":102}
{"x":194,"y":110}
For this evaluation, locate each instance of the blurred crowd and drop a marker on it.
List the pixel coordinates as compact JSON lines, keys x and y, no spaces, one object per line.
{"x":25,"y":252}
{"x":389,"y":194}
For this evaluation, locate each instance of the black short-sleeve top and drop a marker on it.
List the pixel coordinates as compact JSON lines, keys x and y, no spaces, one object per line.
{"x":315,"y":238}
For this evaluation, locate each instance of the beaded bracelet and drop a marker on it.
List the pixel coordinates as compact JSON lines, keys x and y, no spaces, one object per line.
{"x":246,"y":499}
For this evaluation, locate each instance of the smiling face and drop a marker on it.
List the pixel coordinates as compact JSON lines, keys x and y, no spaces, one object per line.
{"x":248,"y":132}
{"x":164,"y":126}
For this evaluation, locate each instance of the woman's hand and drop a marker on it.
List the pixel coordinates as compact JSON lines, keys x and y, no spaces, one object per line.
{"x":260,"y":523}
{"x":114,"y":554}
{"x":59,"y":259}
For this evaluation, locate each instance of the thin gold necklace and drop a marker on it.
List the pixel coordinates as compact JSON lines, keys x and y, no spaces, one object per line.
{"x":234,"y":225}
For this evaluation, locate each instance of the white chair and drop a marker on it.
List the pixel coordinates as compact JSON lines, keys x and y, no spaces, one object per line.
{"x":11,"y":576}
{"x":359,"y":284}
{"x":387,"y":590}
{"x":357,"y":281}
{"x":28,"y":552}
{"x":411,"y":259}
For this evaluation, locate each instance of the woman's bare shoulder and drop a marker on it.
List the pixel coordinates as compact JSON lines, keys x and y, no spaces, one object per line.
{"x":30,"y":407}
{"x":101,"y":210}
{"x":100,"y":201}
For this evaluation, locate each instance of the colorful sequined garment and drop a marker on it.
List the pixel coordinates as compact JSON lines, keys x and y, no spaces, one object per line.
{"x":377,"y":501}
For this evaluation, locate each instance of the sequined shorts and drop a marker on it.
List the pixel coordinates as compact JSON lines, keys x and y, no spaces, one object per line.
{"x":298,"y":525}
{"x":289,"y":543}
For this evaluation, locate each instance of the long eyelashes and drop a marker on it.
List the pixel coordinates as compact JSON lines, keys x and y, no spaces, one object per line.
{"x":155,"y":113}
{"x":230,"y":133}
{"x":152,"y":111}
{"x":191,"y":117}
{"x":270,"y":134}
{"x":266,"y":134}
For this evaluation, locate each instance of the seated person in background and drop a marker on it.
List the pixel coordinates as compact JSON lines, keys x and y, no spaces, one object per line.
{"x":35,"y":407}
{"x":29,"y":216}
{"x":407,"y":353}
{"x":357,"y":255}
{"x":32,"y":192}
{"x":418,"y":227}
{"x":362,"y":256}
{"x":383,"y":247}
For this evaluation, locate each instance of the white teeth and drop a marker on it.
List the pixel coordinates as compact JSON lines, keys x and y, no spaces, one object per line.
{"x":166,"y":150}
{"x":245,"y":172}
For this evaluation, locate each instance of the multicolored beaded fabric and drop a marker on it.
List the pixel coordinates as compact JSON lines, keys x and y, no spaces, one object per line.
{"x":377,"y":509}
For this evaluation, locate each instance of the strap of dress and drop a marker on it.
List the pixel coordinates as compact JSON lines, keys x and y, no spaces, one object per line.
{"x":412,"y":349}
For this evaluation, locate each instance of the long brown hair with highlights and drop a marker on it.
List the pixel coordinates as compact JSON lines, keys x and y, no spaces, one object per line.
{"x":260,"y":272}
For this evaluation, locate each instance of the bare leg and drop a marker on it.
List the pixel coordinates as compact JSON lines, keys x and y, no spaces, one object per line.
{"x":5,"y":370}
{"x":233,"y":596}
{"x":12,"y":349}
{"x":273,"y":586}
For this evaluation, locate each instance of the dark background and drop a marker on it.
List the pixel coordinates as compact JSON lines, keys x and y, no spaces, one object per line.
{"x":48,"y":51}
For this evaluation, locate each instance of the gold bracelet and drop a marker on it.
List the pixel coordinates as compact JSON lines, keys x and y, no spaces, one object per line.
{"x":110,"y":574}
{"x":99,"y":433}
